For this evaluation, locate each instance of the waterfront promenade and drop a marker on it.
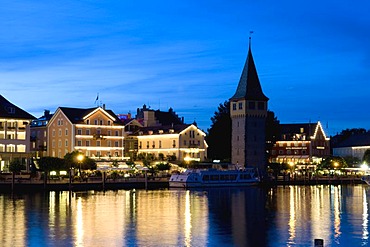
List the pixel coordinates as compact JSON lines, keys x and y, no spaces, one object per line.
{"x":24,"y":185}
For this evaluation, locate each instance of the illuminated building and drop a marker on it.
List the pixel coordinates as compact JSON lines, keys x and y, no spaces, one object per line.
{"x":304,"y":143}
{"x":182,"y":142}
{"x":248,"y":111}
{"x":96,"y":132}
{"x":38,"y":134}
{"x":165,"y":134}
{"x":14,"y":133}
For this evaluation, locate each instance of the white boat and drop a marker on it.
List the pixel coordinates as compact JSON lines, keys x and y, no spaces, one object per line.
{"x":193,"y":178}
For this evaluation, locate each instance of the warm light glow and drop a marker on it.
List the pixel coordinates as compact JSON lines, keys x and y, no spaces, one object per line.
{"x":92,"y":126}
{"x":80,"y":157}
{"x":364,"y":166}
{"x":99,"y":109}
{"x":322,"y":130}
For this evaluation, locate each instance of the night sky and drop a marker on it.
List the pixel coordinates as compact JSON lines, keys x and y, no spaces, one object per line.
{"x":313,"y":57}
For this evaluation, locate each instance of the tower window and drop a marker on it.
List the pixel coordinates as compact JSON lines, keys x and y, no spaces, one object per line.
{"x":261,"y":105}
{"x":251,"y":105}
{"x":240,"y":105}
{"x":234,"y":106}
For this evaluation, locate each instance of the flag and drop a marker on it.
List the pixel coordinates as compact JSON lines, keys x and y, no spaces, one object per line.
{"x":97,"y":98}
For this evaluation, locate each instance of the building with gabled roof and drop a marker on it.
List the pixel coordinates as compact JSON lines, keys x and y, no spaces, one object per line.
{"x":96,"y":132}
{"x":248,"y":112}
{"x":354,"y":146}
{"x":181,"y":142}
{"x":304,"y":143}
{"x":14,"y":134}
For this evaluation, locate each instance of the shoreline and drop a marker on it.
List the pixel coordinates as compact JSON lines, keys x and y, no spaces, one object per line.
{"x":37,"y":186}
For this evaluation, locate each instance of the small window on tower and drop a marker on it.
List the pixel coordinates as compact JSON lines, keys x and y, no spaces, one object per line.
{"x":240,"y":105}
{"x":234,"y":106}
{"x":251,"y":105}
{"x":261,"y":105}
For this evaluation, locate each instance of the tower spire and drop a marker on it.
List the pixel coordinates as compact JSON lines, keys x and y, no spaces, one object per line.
{"x":250,"y":39}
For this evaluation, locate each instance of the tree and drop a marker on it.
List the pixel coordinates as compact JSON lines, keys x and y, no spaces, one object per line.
{"x":71,"y":160}
{"x":332,"y":162}
{"x":16,"y":166}
{"x":219,"y":134}
{"x":366,"y":157}
{"x":163,"y":166}
{"x":51,"y":164}
{"x":352,"y":161}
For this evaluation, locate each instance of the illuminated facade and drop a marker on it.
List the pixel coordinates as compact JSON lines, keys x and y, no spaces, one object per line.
{"x":248,"y":112}
{"x":183,"y":142}
{"x":96,"y":132}
{"x":301,"y":144}
{"x":14,"y":134}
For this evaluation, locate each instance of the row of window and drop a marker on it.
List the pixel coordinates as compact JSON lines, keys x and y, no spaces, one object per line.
{"x":290,"y":152}
{"x":96,"y":122}
{"x":11,"y":148}
{"x":252,"y":105}
{"x":98,"y":132}
{"x":153,"y":143}
{"x":99,"y":122}
{"x":98,"y":143}
{"x":13,"y":136}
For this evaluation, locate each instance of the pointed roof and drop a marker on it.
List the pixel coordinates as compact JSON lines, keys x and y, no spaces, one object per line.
{"x":249,"y":86}
{"x":9,"y":110}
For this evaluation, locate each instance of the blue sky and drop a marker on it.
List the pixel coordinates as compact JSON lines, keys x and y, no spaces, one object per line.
{"x":313,"y":57}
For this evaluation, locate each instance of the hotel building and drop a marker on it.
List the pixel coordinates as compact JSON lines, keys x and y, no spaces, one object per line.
{"x":14,"y":134}
{"x":96,"y":132}
{"x":304,"y":143}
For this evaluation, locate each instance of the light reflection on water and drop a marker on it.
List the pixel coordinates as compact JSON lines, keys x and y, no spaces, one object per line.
{"x":254,"y":216}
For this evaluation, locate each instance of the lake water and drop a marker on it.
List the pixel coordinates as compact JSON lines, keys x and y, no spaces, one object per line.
{"x":254,"y":216}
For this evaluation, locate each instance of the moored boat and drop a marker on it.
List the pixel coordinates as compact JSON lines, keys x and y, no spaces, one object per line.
{"x":193,"y":178}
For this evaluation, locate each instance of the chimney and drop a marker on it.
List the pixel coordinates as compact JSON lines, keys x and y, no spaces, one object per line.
{"x":104,"y":106}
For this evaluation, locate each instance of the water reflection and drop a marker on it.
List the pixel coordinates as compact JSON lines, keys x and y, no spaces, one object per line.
{"x":337,"y":214}
{"x":280,"y":216}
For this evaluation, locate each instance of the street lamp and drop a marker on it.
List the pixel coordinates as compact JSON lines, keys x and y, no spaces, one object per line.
{"x":80,"y":158}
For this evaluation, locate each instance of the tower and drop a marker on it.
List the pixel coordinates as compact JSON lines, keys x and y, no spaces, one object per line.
{"x":248,"y":112}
